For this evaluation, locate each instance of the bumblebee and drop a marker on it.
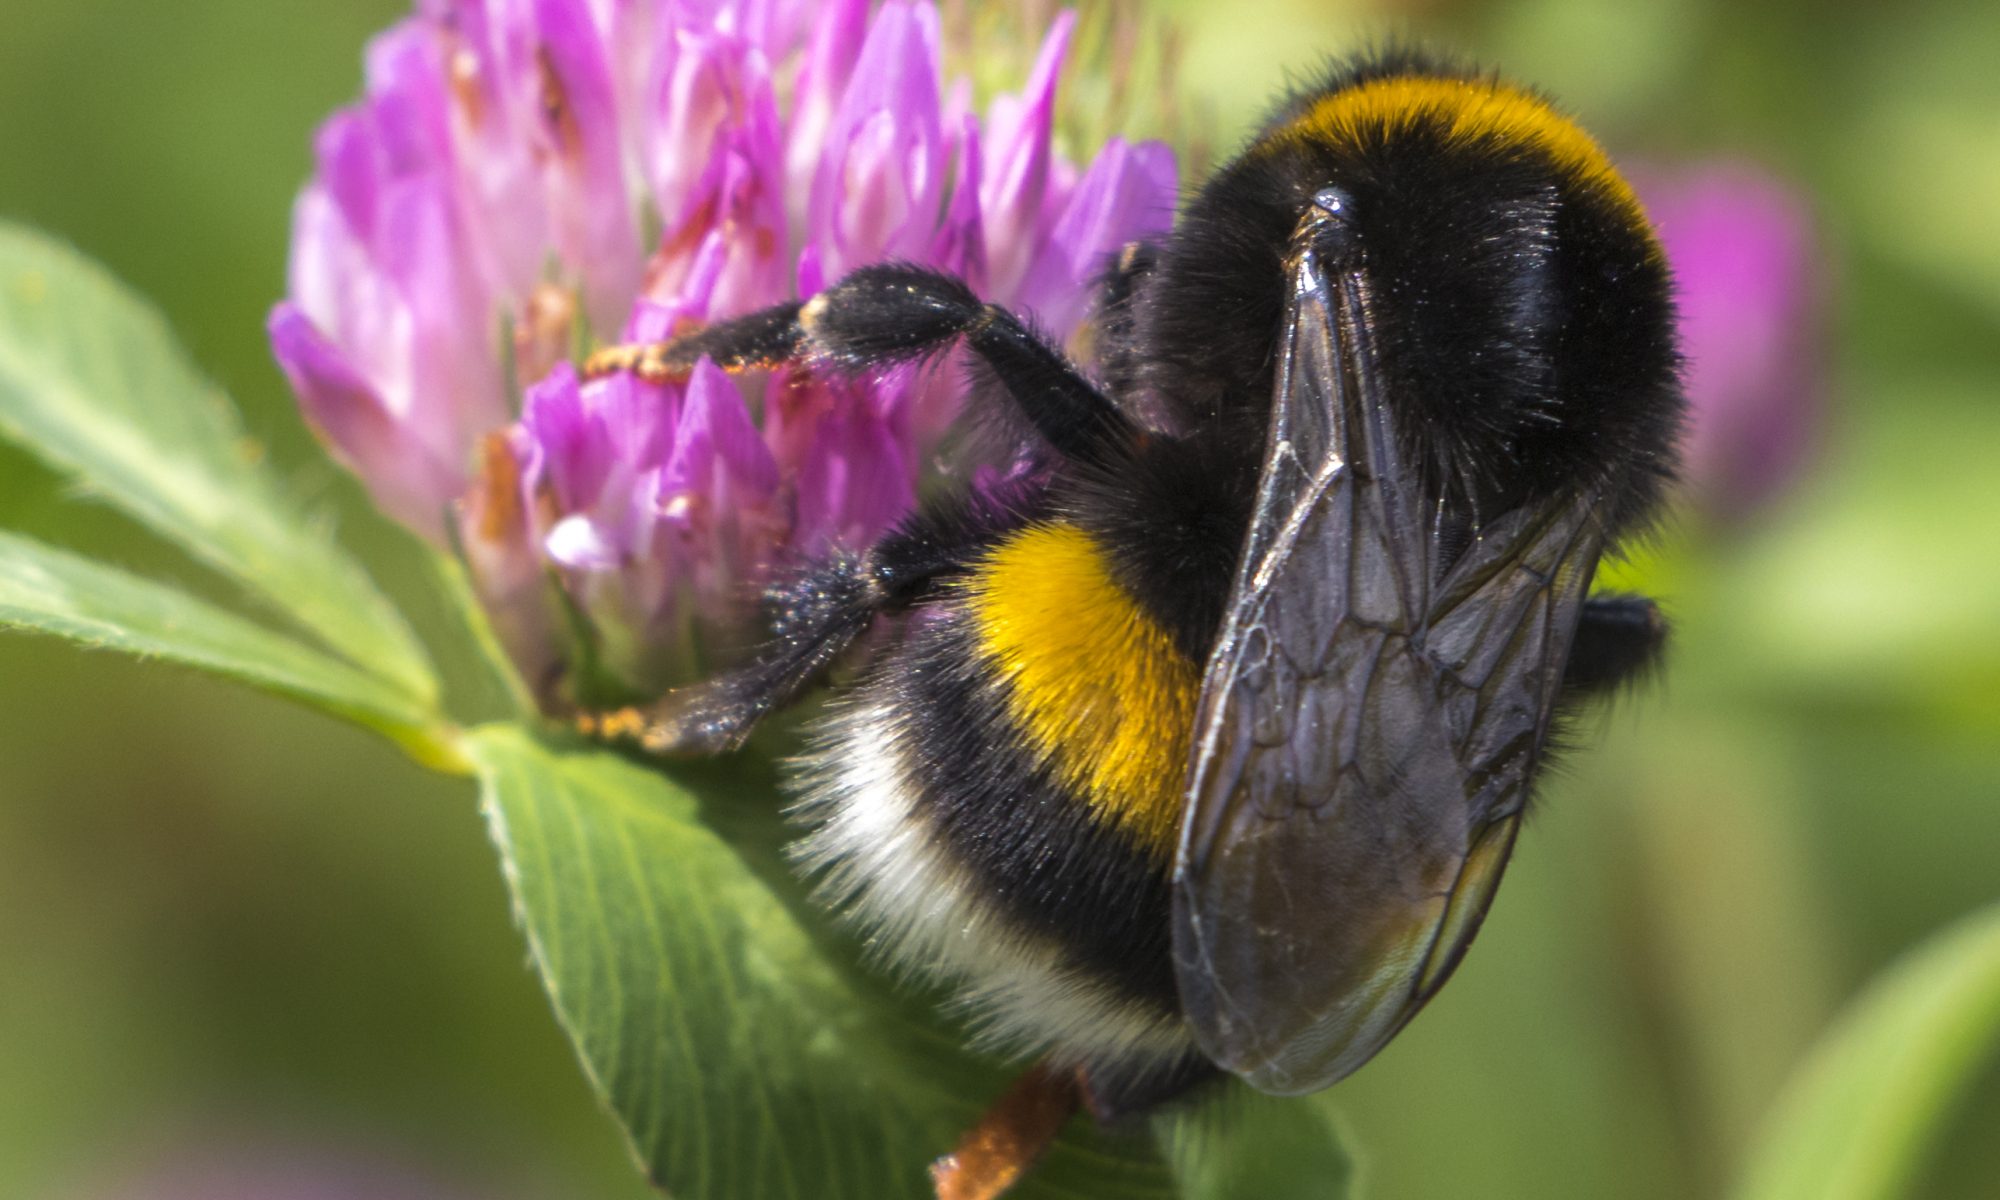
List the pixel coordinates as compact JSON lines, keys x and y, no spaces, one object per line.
{"x":1198,"y":746}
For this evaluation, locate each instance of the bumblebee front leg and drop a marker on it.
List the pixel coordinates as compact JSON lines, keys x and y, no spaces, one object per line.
{"x":875,"y":317}
{"x":766,"y":338}
{"x":883,"y":315}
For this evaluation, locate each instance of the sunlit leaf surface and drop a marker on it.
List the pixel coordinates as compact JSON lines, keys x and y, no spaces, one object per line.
{"x":92,"y":380}
{"x":52,"y":591}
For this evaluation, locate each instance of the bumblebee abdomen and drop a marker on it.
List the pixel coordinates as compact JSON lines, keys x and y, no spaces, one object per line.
{"x":1091,"y":682}
{"x":997,"y":804}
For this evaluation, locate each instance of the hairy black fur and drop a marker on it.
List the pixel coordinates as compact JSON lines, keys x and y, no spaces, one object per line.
{"x":1038,"y":849}
{"x":898,"y":313}
{"x":1520,"y":321}
{"x":1169,"y":513}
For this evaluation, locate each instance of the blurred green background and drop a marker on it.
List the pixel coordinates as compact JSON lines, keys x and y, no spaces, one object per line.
{"x":225,"y":923}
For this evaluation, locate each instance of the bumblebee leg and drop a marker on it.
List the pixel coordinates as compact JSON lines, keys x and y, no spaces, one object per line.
{"x":883,"y":315}
{"x":1618,"y":640}
{"x":766,"y":338}
{"x":897,"y":313}
{"x":1117,"y":319}
{"x":1111,"y":1094}
{"x":814,"y":618}
{"x":820,"y":614}
{"x":992,"y":1156}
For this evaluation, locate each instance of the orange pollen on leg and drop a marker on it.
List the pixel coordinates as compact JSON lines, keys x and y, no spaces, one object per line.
{"x":650,"y":361}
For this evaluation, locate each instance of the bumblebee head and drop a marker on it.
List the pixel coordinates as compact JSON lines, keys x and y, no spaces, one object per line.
{"x":1517,"y":298}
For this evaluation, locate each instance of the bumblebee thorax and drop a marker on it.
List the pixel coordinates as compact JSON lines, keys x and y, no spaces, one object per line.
{"x":1518,"y":297}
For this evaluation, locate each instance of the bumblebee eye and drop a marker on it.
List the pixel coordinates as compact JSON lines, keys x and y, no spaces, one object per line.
{"x":1333,"y":202}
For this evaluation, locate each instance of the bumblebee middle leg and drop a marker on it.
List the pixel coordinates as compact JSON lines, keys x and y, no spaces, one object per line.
{"x":883,"y":315}
{"x":814,"y":617}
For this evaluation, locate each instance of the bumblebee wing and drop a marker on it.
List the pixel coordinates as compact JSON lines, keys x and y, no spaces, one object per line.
{"x":1367,"y":729}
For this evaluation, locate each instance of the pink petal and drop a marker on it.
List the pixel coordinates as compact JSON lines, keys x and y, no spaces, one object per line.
{"x":349,"y":169}
{"x":454,"y":356}
{"x":837,"y":36}
{"x":568,"y":450}
{"x":339,"y":402}
{"x":960,"y":245}
{"x":1127,"y":195}
{"x":1019,"y":131}
{"x":408,"y":98}
{"x":493,"y":145}
{"x":596,"y":234}
{"x":880,"y":184}
{"x":715,"y":429}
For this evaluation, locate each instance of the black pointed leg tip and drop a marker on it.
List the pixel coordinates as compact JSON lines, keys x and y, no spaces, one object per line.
{"x":1619,"y":640}
{"x":1113,"y":1095}
{"x":760,"y":340}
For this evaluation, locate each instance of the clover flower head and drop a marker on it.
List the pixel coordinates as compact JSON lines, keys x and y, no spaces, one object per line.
{"x":524,"y":178}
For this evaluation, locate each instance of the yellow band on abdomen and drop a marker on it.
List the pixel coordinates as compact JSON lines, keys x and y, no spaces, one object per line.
{"x":1095,"y":684}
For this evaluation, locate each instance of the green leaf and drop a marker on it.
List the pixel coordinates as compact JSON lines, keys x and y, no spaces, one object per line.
{"x":92,"y":380}
{"x":1263,"y":1147}
{"x":1857,"y":1118}
{"x":52,"y":591}
{"x":722,"y":1022}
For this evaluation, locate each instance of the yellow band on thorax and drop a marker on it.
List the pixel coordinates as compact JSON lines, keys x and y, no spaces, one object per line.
{"x":1095,"y":684}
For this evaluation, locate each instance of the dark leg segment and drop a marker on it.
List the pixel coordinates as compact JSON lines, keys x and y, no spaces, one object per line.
{"x":891,"y":313}
{"x":883,"y":315}
{"x":821,"y":614}
{"x":1113,"y":1093}
{"x":1618,"y":639}
{"x":1117,"y":317}
{"x":814,"y":617}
